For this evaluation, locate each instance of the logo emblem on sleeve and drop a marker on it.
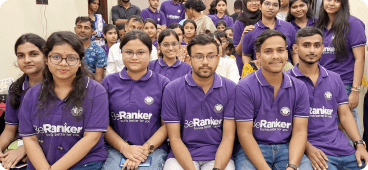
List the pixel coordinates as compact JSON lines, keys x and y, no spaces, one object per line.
{"x":218,"y":108}
{"x":328,"y":95}
{"x":77,"y":111}
{"x":148,"y":100}
{"x":285,"y":111}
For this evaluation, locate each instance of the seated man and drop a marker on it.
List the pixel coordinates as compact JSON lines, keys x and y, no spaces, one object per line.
{"x":95,"y":57}
{"x":198,"y":110}
{"x":327,"y":145}
{"x":271,"y":111}
{"x":155,"y":14}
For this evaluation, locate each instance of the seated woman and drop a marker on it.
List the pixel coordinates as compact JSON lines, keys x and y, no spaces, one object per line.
{"x":30,"y":60}
{"x":62,"y":119}
{"x":135,"y":93}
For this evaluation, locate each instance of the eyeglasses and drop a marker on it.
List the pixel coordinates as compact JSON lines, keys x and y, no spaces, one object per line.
{"x":141,"y":54}
{"x":167,"y":45}
{"x":300,"y":6}
{"x":254,"y":0}
{"x":71,"y":60}
{"x":201,"y":58}
{"x":268,"y":4}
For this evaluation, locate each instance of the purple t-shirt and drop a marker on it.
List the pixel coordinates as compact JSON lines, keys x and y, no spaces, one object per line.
{"x":200,"y":115}
{"x":229,"y":21}
{"x":106,"y":49}
{"x":183,"y":42}
{"x":58,"y":128}
{"x":135,"y":105}
{"x":158,"y":16}
{"x":354,"y":38}
{"x":286,"y":28}
{"x":237,"y":33}
{"x":155,"y":43}
{"x":324,"y":98}
{"x":178,"y":69}
{"x":272,"y":118}
{"x":310,"y":23}
{"x":174,"y":13}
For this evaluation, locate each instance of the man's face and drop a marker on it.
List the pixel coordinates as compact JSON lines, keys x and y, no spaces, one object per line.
{"x":153,"y":3}
{"x":273,"y":54}
{"x":134,"y":25}
{"x":204,"y":68}
{"x":83,"y":30}
{"x":309,"y":49}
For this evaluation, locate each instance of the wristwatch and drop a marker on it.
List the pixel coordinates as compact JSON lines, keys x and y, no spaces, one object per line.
{"x":357,"y":88}
{"x":151,"y":147}
{"x":215,"y":169}
{"x":292,"y":166}
{"x":359,"y":142}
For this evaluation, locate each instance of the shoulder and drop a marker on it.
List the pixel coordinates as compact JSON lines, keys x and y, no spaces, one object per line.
{"x":176,"y":84}
{"x":227,"y":83}
{"x":159,"y":79}
{"x":33,"y":93}
{"x":94,"y":85}
{"x":184,"y":64}
{"x":354,"y":20}
{"x":250,"y":80}
{"x":297,"y":84}
{"x":287,"y":25}
{"x":116,"y":7}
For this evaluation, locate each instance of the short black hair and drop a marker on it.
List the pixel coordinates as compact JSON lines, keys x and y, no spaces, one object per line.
{"x":85,"y":19}
{"x":190,"y":21}
{"x":229,"y":28}
{"x":176,"y":25}
{"x":135,"y":18}
{"x":121,"y":26}
{"x":150,"y":20}
{"x":265,"y":35}
{"x":221,"y":22}
{"x":202,"y":39}
{"x":137,"y":34}
{"x":109,"y":27}
{"x":238,"y":4}
{"x":197,"y":5}
{"x":307,"y":32}
{"x":220,"y":34}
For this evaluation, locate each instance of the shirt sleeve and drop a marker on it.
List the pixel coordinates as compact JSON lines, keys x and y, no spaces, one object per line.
{"x":162,"y":9}
{"x":170,"y":113}
{"x":101,"y":58}
{"x":302,"y":106}
{"x":244,"y":104}
{"x":229,"y":110}
{"x":114,"y":14}
{"x":247,"y":47}
{"x":163,"y":19}
{"x":110,"y":68}
{"x":99,"y":116}
{"x":25,"y":118}
{"x":137,"y":12}
{"x":230,"y":22}
{"x":356,"y":35}
{"x":144,"y":15}
{"x":342,"y":96}
{"x":11,"y":117}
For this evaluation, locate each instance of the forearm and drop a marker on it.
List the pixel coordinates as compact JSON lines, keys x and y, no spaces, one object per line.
{"x":114,"y":139}
{"x":297,"y":147}
{"x":182,"y":154}
{"x":238,"y":48}
{"x":246,"y":59}
{"x":253,"y":151}
{"x":119,"y":21}
{"x":159,"y":136}
{"x":348,"y":122}
{"x":78,"y":151}
{"x":7,"y":136}
{"x":99,"y":74}
{"x":35,"y":153}
{"x":223,"y":153}
{"x":358,"y":71}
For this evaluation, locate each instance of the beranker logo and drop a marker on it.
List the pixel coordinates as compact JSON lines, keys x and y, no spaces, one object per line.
{"x":218,"y":108}
{"x":321,"y":112}
{"x":329,"y":50}
{"x":51,"y":130}
{"x":148,"y":100}
{"x":173,"y":16}
{"x":203,"y":123}
{"x":328,"y":95}
{"x":77,"y":111}
{"x":285,"y":111}
{"x":132,"y":116}
{"x":265,"y":125}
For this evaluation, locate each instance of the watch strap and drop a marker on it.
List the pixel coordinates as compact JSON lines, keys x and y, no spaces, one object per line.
{"x":292,"y":166}
{"x":150,"y":147}
{"x":359,"y":142}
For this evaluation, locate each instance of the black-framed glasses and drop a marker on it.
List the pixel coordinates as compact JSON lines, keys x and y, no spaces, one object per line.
{"x":71,"y":60}
{"x":253,"y":0}
{"x":142,"y":54}
{"x":201,"y":58}
{"x":167,"y":45}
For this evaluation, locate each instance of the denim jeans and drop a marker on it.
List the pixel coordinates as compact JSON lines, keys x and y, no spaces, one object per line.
{"x":96,"y":165}
{"x":337,"y":163}
{"x":173,"y":164}
{"x":114,"y":158}
{"x":354,"y":112}
{"x":276,"y":156}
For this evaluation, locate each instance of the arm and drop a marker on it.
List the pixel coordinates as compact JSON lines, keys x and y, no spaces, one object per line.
{"x":239,"y":47}
{"x":158,"y":137}
{"x":317,"y":157}
{"x":11,"y":157}
{"x":7,"y":136}
{"x":225,"y":149}
{"x":35,"y":153}
{"x":179,"y":149}
{"x":246,"y":58}
{"x":359,"y":53}
{"x":99,"y":74}
{"x":120,"y":21}
{"x":110,"y":68}
{"x":116,"y":17}
{"x":298,"y":140}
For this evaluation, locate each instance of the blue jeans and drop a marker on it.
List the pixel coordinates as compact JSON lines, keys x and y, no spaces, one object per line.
{"x":276,"y":156}
{"x":336,"y":163}
{"x":354,"y":112}
{"x":114,"y":158}
{"x":96,"y":165}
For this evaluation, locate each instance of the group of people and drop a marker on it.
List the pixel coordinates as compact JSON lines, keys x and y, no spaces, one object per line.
{"x":157,"y":91}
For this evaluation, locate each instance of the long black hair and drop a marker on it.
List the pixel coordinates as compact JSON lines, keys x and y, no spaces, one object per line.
{"x":77,"y":95}
{"x":197,"y":5}
{"x":164,"y":34}
{"x":212,"y":9}
{"x":340,"y":27}
{"x":16,"y":89}
{"x":290,"y":17}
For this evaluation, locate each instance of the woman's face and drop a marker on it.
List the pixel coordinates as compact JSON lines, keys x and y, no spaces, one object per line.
{"x":63,"y":62}
{"x":299,"y":9}
{"x":270,"y":8}
{"x":331,"y":6}
{"x":229,"y":33}
{"x":253,"y":5}
{"x":150,"y":29}
{"x":136,"y":55}
{"x":30,"y":59}
{"x":221,"y":7}
{"x":189,"y":30}
{"x":94,"y":5}
{"x":169,"y":46}
{"x":180,"y":34}
{"x":220,"y":27}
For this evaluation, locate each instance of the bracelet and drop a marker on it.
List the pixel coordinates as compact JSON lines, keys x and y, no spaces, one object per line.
{"x":355,"y":89}
{"x":123,"y":147}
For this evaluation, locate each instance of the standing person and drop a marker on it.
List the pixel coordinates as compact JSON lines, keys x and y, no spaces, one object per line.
{"x":221,"y":6}
{"x":115,"y":60}
{"x":198,"y":110}
{"x":284,"y":9}
{"x":183,"y":52}
{"x":221,"y":25}
{"x":344,"y":41}
{"x":173,"y":10}
{"x":328,"y":98}
{"x":122,"y":12}
{"x":111,"y":35}
{"x":271,"y":111}
{"x":63,"y":118}
{"x":30,"y":60}
{"x":237,"y":9}
{"x":99,"y":22}
{"x":150,"y":27}
{"x":190,"y":29}
{"x":168,"y":64}
{"x":251,"y":15}
{"x":95,"y":57}
{"x":155,"y":14}
{"x":135,"y":89}
{"x":300,"y":15}
{"x":193,"y":9}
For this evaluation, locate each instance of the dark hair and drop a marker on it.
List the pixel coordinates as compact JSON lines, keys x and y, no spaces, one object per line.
{"x":231,"y":46}
{"x":137,"y":34}
{"x":229,"y":28}
{"x":220,"y":34}
{"x":202,"y":39}
{"x":16,"y":89}
{"x":238,"y":4}
{"x":340,"y":27}
{"x":221,"y":22}
{"x":165,"y":33}
{"x":265,"y":35}
{"x":197,"y":5}
{"x":290,"y":17}
{"x":77,"y":95}
{"x":149,"y":20}
{"x":136,"y":18}
{"x":176,"y":25}
{"x":109,"y":27}
{"x":307,"y":32}
{"x":190,"y":21}
{"x":91,"y":1}
{"x":264,"y":0}
{"x":121,"y":26}
{"x":85,"y":19}
{"x":217,"y":1}
{"x":212,"y":9}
